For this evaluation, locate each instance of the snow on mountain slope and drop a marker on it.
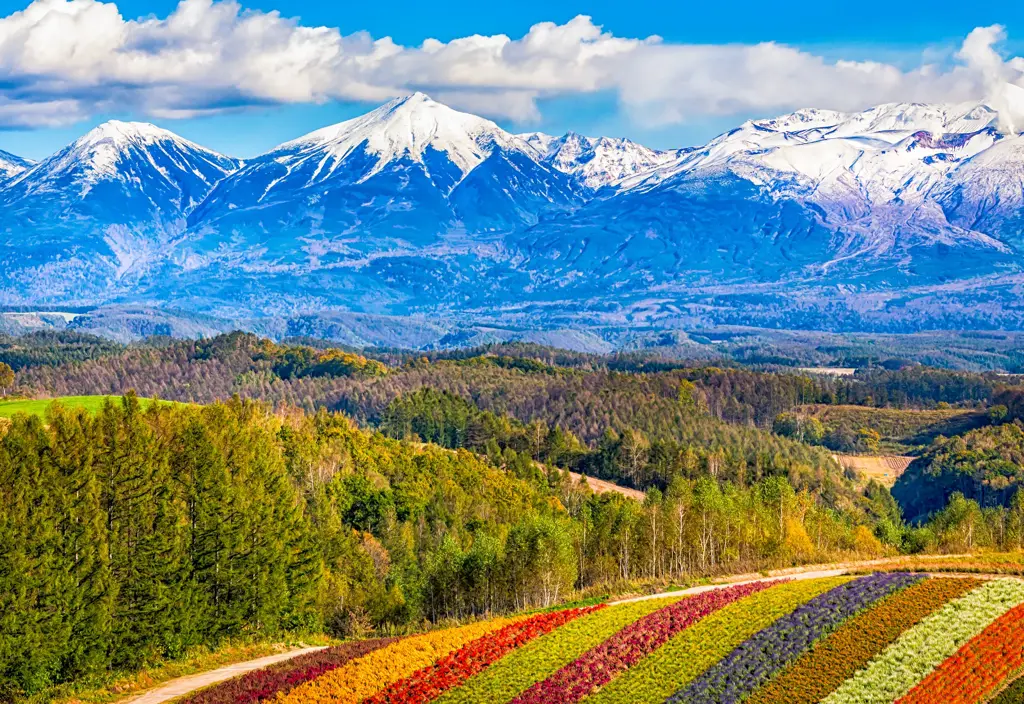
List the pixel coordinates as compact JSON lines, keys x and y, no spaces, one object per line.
{"x":403,"y":171}
{"x":876,"y":176}
{"x":143,"y":159}
{"x":596,"y":162}
{"x":406,"y":128}
{"x":539,"y":141}
{"x":11,"y":165}
{"x":104,"y":209}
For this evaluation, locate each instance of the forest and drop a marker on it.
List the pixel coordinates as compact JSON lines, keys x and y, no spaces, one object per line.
{"x":301,"y":488}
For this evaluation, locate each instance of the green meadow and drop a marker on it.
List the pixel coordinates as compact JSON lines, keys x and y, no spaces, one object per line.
{"x":38,"y":406}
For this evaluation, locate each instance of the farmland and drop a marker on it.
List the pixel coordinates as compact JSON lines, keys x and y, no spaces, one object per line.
{"x":881,"y":637}
{"x":885,"y":469}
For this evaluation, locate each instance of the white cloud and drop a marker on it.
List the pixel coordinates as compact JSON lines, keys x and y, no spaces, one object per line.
{"x":63,"y":60}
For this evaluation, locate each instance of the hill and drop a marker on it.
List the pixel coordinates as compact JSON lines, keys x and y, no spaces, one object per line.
{"x":876,"y":638}
{"x":985,"y":465}
{"x":900,"y":430}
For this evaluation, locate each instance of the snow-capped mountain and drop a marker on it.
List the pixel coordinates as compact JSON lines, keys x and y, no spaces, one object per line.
{"x":596,"y":162}
{"x":882,"y":197}
{"x":418,"y":208}
{"x":11,"y":165}
{"x":411,"y":174}
{"x":126,"y":161}
{"x":102,"y":210}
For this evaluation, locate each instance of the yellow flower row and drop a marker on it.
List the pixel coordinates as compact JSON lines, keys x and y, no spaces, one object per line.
{"x":372,"y":673}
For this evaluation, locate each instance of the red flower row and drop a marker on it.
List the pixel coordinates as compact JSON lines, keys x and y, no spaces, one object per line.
{"x":978,"y":668}
{"x":624,"y":649}
{"x":452,"y":670}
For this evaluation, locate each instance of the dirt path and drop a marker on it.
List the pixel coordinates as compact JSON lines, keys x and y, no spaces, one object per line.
{"x":183,"y":685}
{"x":800,"y":573}
{"x":817,"y":574}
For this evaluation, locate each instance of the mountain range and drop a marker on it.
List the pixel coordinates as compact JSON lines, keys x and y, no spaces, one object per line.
{"x":900,"y":217}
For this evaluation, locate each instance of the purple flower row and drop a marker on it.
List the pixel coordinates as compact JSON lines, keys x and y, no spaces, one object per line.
{"x":751,"y":664}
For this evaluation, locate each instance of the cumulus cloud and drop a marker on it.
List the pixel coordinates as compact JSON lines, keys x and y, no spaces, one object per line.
{"x":63,"y":60}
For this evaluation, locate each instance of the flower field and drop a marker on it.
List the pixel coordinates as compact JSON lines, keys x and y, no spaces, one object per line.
{"x":885,"y":637}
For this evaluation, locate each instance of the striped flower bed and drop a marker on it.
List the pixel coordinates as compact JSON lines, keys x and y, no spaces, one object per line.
{"x":699,"y":647}
{"x":978,"y":668}
{"x":516,"y":672}
{"x":452,"y":670}
{"x":625,"y":648}
{"x":819,"y":672}
{"x":751,"y":664}
{"x":878,"y":639}
{"x":368,"y":675}
{"x":925,"y":646}
{"x":260,"y":685}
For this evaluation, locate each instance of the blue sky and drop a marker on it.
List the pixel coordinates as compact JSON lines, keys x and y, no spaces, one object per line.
{"x":604,"y":100}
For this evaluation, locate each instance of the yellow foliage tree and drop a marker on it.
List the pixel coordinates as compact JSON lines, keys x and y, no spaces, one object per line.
{"x":865,"y":542}
{"x":798,"y":543}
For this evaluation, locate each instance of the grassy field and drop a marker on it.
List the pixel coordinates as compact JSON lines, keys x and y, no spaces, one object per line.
{"x":38,"y":406}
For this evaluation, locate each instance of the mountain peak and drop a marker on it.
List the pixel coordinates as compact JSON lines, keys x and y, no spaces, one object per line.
{"x":406,"y":128}
{"x":120,"y":133}
{"x":12,"y":164}
{"x":596,"y":162}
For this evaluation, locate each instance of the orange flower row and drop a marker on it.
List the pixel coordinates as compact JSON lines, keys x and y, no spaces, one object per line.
{"x":978,"y":668}
{"x":365,"y":677}
{"x":833,"y":660}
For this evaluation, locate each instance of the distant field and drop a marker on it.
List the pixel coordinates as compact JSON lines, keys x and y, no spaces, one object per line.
{"x":599,"y":486}
{"x":38,"y":406}
{"x":829,"y":371}
{"x":884,"y":469}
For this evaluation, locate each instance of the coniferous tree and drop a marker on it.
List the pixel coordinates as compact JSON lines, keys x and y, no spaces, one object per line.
{"x":83,"y":541}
